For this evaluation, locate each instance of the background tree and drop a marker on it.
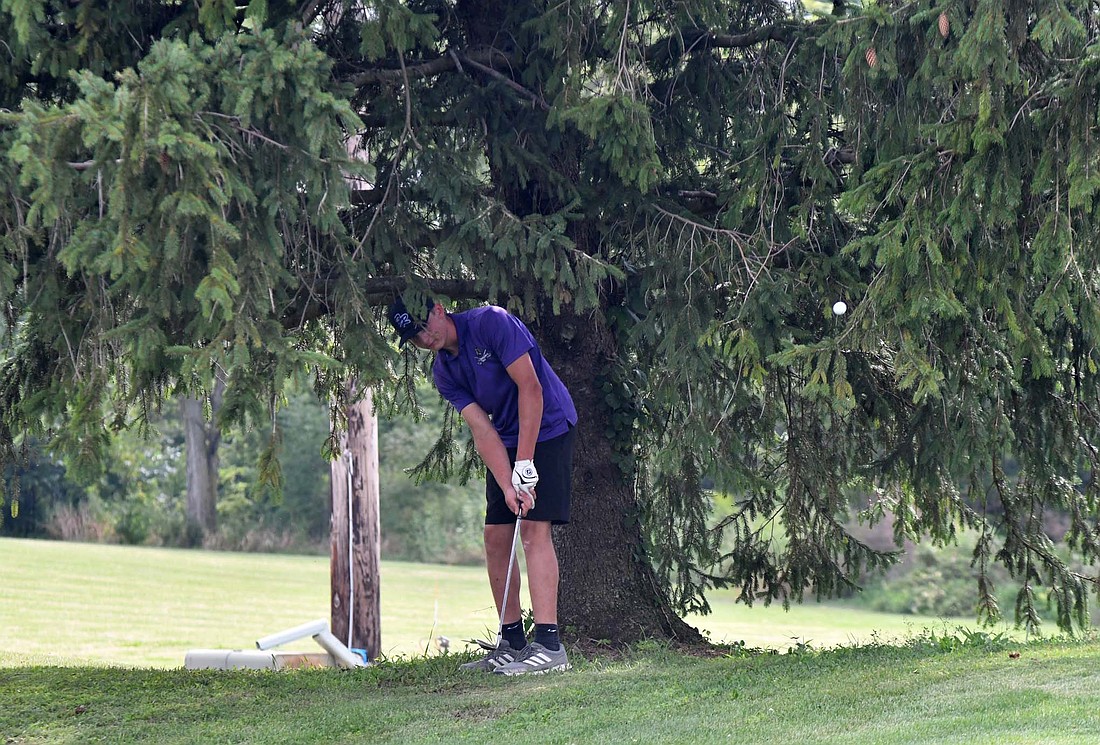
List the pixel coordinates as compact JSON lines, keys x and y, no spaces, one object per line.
{"x":673,"y":194}
{"x":202,"y":437}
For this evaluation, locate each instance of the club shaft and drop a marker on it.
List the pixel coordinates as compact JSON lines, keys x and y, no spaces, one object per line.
{"x":508,"y":582}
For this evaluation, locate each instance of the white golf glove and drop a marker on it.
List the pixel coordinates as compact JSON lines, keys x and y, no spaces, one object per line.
{"x":524,"y":478}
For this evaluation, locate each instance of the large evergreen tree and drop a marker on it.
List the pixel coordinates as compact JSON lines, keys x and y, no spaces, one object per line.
{"x":673,"y":194}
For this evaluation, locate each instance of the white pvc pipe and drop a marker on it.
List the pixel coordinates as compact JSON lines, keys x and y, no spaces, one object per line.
{"x":228,"y":659}
{"x":298,"y":632}
{"x":339,"y":652}
{"x":236,"y":659}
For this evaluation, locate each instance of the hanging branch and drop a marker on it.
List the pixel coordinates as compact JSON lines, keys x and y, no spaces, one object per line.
{"x":696,"y":40}
{"x":491,"y":58}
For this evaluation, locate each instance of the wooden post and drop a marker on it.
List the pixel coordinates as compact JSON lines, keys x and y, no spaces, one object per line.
{"x":357,"y":592}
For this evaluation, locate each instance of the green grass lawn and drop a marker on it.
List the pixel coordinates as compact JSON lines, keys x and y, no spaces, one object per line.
{"x":87,"y":604}
{"x":84,"y":629}
{"x":922,"y":692}
{"x":73,"y":603}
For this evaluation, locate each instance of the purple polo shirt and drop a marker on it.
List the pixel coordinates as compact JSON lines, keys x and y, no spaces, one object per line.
{"x":489,"y":340}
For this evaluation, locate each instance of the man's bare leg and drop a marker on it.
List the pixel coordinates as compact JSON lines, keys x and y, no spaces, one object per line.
{"x":542,"y":570}
{"x":498,"y":547}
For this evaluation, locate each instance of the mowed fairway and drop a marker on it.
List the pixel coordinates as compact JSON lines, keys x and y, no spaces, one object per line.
{"x":73,"y":603}
{"x":86,"y":604}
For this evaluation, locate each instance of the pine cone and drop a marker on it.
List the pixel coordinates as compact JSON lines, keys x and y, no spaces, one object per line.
{"x":872,"y":57}
{"x":945,"y":25}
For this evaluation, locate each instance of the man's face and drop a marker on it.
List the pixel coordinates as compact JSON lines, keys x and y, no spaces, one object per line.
{"x":433,"y":335}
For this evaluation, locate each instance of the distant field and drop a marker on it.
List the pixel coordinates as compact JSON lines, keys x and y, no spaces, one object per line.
{"x":73,"y":604}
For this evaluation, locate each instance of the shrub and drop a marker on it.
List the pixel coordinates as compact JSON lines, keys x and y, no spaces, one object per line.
{"x":84,"y":521}
{"x":931,"y":581}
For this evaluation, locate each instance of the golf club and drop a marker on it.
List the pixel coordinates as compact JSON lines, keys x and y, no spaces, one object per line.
{"x":507,"y":583}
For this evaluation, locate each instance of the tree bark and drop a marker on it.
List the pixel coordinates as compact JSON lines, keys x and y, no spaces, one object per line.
{"x":356,"y":596}
{"x":608,"y":589}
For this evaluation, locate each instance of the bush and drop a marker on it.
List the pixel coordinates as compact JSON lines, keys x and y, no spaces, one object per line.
{"x":84,"y":521}
{"x":931,"y":581}
{"x":940,"y":581}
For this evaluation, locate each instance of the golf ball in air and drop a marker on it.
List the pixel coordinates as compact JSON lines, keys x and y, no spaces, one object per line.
{"x":840,"y":307}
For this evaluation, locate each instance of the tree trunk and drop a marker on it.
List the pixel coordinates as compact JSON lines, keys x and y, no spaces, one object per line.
{"x":355,"y":522}
{"x":202,"y":439}
{"x":608,"y":589}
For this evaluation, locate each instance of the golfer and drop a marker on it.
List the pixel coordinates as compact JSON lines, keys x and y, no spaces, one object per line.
{"x":522,"y":419}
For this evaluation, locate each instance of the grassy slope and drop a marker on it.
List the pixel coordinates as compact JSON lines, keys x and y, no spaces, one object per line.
{"x":69,"y":603}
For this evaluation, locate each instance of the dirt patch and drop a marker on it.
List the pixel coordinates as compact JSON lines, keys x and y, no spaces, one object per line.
{"x":479,"y":713}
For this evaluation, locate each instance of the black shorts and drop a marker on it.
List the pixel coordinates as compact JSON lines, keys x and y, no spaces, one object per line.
{"x":554,"y":462}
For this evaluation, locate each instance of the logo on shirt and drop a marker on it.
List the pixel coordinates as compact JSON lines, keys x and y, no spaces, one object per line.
{"x":482,"y":355}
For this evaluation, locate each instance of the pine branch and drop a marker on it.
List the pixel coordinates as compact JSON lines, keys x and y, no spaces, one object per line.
{"x":694,"y":40}
{"x":533,"y":97}
{"x":367,"y":197}
{"x":491,"y":58}
{"x":318,"y":299}
{"x":382,"y":289}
